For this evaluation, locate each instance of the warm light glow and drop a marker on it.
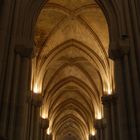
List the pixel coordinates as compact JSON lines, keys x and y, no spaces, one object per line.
{"x":44,"y":115}
{"x":44,"y":112}
{"x":36,"y":88}
{"x":48,"y":131}
{"x":109,"y":91}
{"x":98,"y":116}
{"x":93,"y":133}
{"x":87,"y":136}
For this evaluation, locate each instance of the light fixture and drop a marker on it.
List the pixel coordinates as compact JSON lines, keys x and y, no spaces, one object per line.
{"x":93,"y":133}
{"x":98,"y":115}
{"x":109,"y":91}
{"x":44,"y":115}
{"x":36,"y":88}
{"x":43,"y":112}
{"x":48,"y":131}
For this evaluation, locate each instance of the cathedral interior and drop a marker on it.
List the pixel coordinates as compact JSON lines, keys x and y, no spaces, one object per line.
{"x":69,"y":70}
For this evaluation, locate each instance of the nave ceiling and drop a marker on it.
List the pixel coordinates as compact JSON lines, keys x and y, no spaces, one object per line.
{"x":71,"y":68}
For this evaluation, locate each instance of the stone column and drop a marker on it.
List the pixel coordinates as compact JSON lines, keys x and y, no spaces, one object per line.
{"x":44,"y":124}
{"x":7,"y":10}
{"x":100,"y":127}
{"x":13,"y":99}
{"x":5,"y":91}
{"x":110,"y":114}
{"x":35,"y":101}
{"x":122,"y":48}
{"x":19,"y":121}
{"x":21,"y":112}
{"x":133,"y":20}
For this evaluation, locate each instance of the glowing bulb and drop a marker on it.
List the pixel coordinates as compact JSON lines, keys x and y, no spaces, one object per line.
{"x":98,"y":116}
{"x":36,"y":89}
{"x":93,"y":133}
{"x":44,"y":115}
{"x":109,"y":91}
{"x":48,"y":131}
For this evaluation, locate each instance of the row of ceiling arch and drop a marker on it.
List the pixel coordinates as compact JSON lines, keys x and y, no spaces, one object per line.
{"x":71,"y":68}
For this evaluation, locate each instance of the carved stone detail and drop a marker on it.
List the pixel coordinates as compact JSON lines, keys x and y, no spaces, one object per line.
{"x":100,"y":124}
{"x":108,"y":99}
{"x":44,"y":123}
{"x":25,"y":48}
{"x":91,"y":137}
{"x":119,"y":48}
{"x":35,"y":99}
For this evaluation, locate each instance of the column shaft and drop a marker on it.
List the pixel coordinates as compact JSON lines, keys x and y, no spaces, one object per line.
{"x":121,"y":103}
{"x":36,"y":123}
{"x":107,"y":115}
{"x":6,"y":96}
{"x":22,"y":106}
{"x":129,"y":100}
{"x":134,"y":57}
{"x":14,"y":92}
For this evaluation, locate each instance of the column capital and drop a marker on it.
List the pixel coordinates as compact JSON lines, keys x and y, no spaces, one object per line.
{"x":25,"y":48}
{"x":44,"y":123}
{"x":35,"y":99}
{"x":108,"y":99}
{"x":118,"y":49}
{"x":100,"y":124}
{"x":91,"y":137}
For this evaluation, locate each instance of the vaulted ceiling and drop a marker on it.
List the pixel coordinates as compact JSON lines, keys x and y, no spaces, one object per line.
{"x":72,"y":68}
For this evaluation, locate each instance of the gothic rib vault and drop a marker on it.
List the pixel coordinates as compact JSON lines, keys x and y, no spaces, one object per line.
{"x":71,"y":68}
